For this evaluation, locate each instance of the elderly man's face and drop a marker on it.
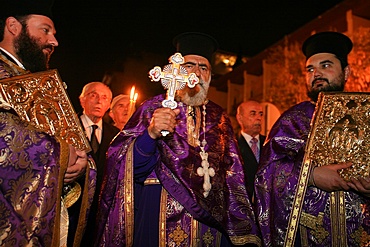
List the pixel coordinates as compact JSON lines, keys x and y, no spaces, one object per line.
{"x":324,"y":73}
{"x":249,"y":117}
{"x":202,"y":68}
{"x":96,"y":101}
{"x":119,"y":113}
{"x":35,"y":43}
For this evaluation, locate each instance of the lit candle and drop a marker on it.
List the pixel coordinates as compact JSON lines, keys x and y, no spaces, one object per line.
{"x":133,"y":98}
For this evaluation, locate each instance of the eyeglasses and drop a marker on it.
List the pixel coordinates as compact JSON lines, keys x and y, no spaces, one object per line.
{"x":95,"y":95}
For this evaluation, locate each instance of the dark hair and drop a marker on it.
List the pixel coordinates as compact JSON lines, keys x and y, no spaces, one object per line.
{"x":21,"y":18}
{"x":2,"y":27}
{"x":343,"y":61}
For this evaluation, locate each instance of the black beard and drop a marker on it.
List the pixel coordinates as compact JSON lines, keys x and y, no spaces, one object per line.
{"x":314,"y":94}
{"x":30,"y":52}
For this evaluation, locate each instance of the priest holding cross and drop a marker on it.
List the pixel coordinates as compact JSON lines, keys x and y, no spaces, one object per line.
{"x":173,"y":175}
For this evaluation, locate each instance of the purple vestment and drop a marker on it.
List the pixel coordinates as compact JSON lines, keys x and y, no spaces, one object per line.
{"x":227,"y":207}
{"x":32,"y":168}
{"x":276,"y":185}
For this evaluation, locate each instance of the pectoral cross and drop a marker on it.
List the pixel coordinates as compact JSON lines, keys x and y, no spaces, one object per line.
{"x":173,"y":77}
{"x":205,"y":171}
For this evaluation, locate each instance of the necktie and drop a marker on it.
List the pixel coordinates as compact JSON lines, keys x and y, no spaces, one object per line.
{"x":254,"y":148}
{"x":93,"y":140}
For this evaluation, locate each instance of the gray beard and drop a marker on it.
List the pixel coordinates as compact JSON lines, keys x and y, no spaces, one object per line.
{"x":198,"y":99}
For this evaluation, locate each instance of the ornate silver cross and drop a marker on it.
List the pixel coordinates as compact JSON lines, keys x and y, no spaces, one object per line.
{"x":173,"y":77}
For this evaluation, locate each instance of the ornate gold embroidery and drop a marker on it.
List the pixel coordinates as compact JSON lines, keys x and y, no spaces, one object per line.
{"x":361,"y":237}
{"x":193,"y":113}
{"x":208,"y":238}
{"x":41,"y":99}
{"x":315,"y":223}
{"x":18,"y":143}
{"x":178,"y":235}
{"x":5,"y":225}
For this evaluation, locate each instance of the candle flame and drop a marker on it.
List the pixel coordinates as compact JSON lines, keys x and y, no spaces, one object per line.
{"x":132,"y":93}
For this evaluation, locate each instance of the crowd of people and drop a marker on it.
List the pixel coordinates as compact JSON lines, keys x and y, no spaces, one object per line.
{"x":172,"y":176}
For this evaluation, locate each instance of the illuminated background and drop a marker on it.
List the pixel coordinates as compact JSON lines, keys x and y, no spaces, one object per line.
{"x":96,"y":38}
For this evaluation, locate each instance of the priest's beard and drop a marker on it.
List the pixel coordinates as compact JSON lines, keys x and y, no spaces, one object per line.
{"x":335,"y":85}
{"x":195,"y":96}
{"x":30,"y":53}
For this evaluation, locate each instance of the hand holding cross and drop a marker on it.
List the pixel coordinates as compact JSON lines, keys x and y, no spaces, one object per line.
{"x":174,"y":77}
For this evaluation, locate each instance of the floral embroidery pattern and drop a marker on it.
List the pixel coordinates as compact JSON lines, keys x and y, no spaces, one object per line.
{"x":178,"y":235}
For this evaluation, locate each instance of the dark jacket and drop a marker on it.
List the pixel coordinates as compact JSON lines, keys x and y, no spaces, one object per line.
{"x":250,"y":161}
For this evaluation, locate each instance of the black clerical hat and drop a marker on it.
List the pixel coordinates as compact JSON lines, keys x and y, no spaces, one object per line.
{"x":195,"y":43}
{"x":327,"y":42}
{"x":25,"y":7}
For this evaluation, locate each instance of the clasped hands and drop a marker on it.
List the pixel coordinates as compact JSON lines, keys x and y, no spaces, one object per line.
{"x":327,"y":178}
{"x":77,"y":164}
{"x":162,"y":119}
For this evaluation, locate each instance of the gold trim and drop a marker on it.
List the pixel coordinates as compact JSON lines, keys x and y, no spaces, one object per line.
{"x":162,"y":219}
{"x":338,"y":219}
{"x":84,"y":205}
{"x":17,"y":69}
{"x":297,"y":204}
{"x":64,"y":224}
{"x":63,"y":162}
{"x":150,"y":181}
{"x":195,"y":239}
{"x":129,"y":196}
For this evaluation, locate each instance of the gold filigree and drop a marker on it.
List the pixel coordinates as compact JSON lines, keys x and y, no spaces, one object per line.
{"x":361,"y":237}
{"x":208,"y":238}
{"x":178,"y":235}
{"x":5,"y":225}
{"x":41,"y":99}
{"x":315,"y":223}
{"x":340,"y":133}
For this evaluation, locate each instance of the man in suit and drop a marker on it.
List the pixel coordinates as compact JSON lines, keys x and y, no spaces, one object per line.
{"x":250,"y":141}
{"x":95,"y":100}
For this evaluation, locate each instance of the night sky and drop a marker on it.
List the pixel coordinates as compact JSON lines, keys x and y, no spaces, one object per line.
{"x":96,"y":36}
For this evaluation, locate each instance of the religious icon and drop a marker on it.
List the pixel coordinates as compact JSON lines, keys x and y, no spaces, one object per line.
{"x":41,"y":99}
{"x":340,"y":132}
